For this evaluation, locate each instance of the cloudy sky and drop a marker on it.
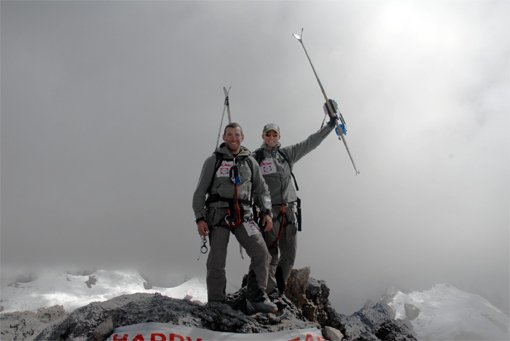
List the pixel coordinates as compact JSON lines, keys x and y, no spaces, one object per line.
{"x":108,"y":110}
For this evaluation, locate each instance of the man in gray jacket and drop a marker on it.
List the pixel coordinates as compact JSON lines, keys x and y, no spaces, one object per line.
{"x":222,"y":205}
{"x":276,"y":166}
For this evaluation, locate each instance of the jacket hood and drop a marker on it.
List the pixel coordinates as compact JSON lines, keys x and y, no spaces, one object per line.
{"x":222,"y":149}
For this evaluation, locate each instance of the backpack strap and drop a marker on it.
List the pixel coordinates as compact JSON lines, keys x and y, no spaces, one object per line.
{"x":259,"y":156}
{"x":286,"y":158}
{"x":219,"y":160}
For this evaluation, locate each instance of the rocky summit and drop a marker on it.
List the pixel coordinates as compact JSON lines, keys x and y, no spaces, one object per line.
{"x":304,"y":305}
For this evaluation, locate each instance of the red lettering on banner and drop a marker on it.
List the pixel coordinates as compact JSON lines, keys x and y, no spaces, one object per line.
{"x":178,"y":337}
{"x":173,"y":337}
{"x":309,"y":337}
{"x":124,"y":337}
{"x":161,"y":337}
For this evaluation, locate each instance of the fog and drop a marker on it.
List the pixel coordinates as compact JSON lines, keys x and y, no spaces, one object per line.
{"x":109,"y":109}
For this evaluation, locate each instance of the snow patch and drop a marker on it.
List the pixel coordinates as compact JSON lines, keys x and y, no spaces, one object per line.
{"x":76,"y":290}
{"x":447,"y":313}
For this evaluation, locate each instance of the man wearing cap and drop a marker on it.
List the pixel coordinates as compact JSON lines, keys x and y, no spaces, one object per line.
{"x":276,"y":167}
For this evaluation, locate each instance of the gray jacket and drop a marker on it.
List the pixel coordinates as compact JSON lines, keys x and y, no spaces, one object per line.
{"x":276,"y":170}
{"x":223,"y":186}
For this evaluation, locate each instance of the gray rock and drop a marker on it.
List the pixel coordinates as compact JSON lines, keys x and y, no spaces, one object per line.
{"x":26,"y":325}
{"x":104,"y":329}
{"x":375,"y":321}
{"x":332,"y":334}
{"x":412,"y":311}
{"x":91,"y":322}
{"x":91,"y":281}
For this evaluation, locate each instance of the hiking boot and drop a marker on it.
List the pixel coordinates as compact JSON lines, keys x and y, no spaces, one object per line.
{"x":274,"y":295}
{"x":278,"y":299}
{"x":280,"y":281}
{"x":262,"y":306}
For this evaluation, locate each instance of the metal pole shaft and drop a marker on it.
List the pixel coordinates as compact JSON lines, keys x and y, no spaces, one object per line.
{"x":314,"y":72}
{"x":226,"y":107}
{"x":349,"y":152}
{"x":330,"y":108}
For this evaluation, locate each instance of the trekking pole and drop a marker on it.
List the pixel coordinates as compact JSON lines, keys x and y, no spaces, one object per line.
{"x":226,"y":108}
{"x":227,"y":102}
{"x":330,"y":106}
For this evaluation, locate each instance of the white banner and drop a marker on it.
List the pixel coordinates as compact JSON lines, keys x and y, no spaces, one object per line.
{"x":167,"y":332}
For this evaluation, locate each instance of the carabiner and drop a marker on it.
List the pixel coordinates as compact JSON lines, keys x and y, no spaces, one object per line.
{"x":204,"y":247}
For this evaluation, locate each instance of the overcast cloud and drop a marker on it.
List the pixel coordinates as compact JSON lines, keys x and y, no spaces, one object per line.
{"x":108,"y":110}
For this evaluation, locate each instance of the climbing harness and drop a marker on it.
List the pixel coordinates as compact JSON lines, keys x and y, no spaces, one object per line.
{"x":282,"y":216}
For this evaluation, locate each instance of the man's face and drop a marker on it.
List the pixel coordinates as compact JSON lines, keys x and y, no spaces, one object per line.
{"x":233,"y":138}
{"x":271,"y":138}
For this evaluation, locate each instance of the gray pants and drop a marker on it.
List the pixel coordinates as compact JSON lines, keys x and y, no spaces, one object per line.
{"x":219,"y":236}
{"x":286,"y":245}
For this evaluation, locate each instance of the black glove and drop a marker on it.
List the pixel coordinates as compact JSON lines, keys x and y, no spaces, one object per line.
{"x":333,"y":105}
{"x":333,"y":122}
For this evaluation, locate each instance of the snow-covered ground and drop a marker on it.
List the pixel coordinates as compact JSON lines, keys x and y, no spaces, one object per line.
{"x":447,"y":313}
{"x":54,"y":287}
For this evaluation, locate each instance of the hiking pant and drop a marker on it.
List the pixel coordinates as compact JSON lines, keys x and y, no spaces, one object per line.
{"x":286,"y":245}
{"x":254,"y":245}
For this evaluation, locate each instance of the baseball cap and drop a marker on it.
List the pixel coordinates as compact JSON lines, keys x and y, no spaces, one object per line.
{"x":271,"y":126}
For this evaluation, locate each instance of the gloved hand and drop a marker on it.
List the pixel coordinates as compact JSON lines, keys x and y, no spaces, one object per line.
{"x":334,"y":108}
{"x":333,"y":122}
